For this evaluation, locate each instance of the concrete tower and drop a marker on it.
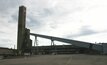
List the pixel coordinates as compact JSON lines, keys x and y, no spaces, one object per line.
{"x":21,"y":28}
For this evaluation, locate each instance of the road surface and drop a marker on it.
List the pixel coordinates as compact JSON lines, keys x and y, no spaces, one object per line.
{"x":74,"y":59}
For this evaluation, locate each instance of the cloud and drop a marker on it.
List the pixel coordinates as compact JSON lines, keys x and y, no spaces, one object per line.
{"x":86,"y":31}
{"x":61,"y":18}
{"x":83,"y":31}
{"x":94,"y":38}
{"x":68,"y":18}
{"x":8,"y":22}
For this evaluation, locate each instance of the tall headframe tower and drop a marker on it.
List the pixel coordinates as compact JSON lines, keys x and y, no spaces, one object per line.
{"x":21,"y":28}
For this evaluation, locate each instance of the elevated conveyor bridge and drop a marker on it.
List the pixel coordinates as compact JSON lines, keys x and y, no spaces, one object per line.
{"x":82,"y":44}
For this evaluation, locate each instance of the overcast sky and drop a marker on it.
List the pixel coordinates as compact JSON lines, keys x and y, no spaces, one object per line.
{"x":84,"y":20}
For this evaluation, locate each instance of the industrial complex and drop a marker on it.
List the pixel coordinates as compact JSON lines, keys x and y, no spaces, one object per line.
{"x":24,"y":43}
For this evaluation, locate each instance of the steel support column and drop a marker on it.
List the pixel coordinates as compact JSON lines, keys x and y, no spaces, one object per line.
{"x":36,"y":45}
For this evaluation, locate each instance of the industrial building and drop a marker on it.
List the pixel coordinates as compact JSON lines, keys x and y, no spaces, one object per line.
{"x":24,"y":43}
{"x":62,"y":49}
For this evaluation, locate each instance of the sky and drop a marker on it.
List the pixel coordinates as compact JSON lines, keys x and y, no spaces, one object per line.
{"x":83,"y":20}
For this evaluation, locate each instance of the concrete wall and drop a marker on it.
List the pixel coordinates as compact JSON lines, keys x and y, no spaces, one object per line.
{"x":21,"y":27}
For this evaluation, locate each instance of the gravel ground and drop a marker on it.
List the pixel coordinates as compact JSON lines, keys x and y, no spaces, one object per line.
{"x":74,"y":59}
